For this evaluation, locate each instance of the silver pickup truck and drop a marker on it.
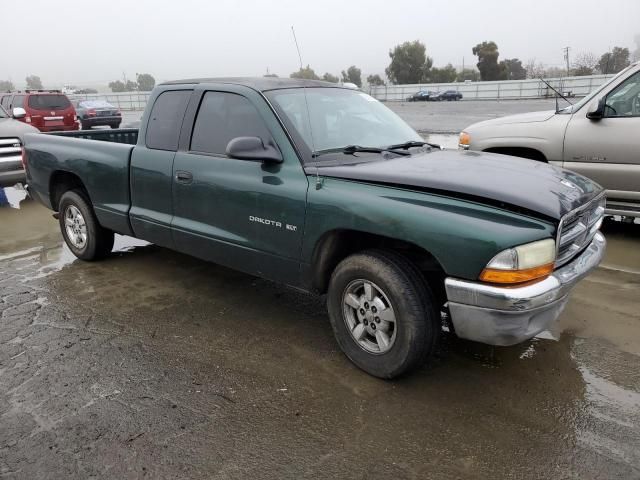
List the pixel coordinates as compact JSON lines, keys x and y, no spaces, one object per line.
{"x":11,"y":135}
{"x":598,"y":137}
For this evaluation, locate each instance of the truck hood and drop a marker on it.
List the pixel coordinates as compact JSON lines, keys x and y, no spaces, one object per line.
{"x":509,"y":182}
{"x":530,"y":117}
{"x":13,"y":128}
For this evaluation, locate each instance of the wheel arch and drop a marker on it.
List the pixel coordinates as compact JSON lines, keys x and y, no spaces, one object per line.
{"x":522,"y":152}
{"x":336,"y":245}
{"x":62,"y":181}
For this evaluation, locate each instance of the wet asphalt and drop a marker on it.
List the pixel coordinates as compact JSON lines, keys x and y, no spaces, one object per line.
{"x":152,"y":364}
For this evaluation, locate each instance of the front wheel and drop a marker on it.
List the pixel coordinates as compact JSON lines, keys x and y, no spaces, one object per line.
{"x":84,"y":236}
{"x":382,"y":313}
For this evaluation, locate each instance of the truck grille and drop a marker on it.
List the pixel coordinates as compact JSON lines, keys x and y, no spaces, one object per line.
{"x":10,"y":154}
{"x":577,"y":229}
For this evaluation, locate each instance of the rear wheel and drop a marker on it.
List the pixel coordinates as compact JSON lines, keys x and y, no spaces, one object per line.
{"x":382,"y":313}
{"x":84,"y":236}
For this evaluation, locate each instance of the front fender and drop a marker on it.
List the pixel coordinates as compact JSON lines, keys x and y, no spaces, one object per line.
{"x":461,"y":235}
{"x":547,"y":137}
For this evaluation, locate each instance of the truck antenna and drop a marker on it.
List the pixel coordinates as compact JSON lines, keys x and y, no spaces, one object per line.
{"x":297,"y":46}
{"x":557,"y":93}
{"x":304,"y":89}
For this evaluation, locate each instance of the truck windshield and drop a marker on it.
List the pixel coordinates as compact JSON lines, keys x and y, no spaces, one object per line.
{"x":332,"y":118}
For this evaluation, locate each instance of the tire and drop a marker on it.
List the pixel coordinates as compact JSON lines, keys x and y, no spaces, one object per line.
{"x":98,"y":241}
{"x":84,"y":126}
{"x":397,"y":283}
{"x":114,"y":126}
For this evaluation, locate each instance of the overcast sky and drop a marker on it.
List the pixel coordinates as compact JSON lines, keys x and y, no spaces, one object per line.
{"x":89,"y":42}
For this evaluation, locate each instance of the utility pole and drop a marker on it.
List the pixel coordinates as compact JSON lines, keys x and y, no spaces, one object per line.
{"x":566,"y":57}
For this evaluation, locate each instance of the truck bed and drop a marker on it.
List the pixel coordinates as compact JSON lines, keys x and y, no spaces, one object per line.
{"x":99,"y":159}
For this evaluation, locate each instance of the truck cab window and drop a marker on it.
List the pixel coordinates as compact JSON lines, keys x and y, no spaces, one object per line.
{"x":165,"y":120}
{"x":223,"y":117}
{"x":624,"y":101}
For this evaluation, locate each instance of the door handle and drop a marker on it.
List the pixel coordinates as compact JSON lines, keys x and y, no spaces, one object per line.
{"x":184,"y":177}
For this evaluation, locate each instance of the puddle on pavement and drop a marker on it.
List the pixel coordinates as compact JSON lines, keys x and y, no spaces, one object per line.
{"x":12,"y":196}
{"x":53,"y":259}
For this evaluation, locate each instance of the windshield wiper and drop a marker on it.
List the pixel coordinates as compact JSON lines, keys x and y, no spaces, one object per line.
{"x":413,"y":143}
{"x":351,"y":149}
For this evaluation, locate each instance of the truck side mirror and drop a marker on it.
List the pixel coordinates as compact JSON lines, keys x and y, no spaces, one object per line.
{"x":18,"y":112}
{"x":597,"y":112}
{"x":253,"y":148}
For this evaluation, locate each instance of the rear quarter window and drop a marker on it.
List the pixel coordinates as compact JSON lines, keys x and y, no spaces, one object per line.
{"x":49,"y":102}
{"x":165,"y":120}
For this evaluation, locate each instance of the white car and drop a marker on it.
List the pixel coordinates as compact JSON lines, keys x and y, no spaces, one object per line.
{"x":598,"y":137}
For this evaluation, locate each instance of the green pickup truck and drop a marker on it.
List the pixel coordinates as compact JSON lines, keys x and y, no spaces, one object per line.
{"x":325,"y":189}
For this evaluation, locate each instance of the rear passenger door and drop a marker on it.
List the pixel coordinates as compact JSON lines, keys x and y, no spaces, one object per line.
{"x":244,"y":214}
{"x":152,"y":168}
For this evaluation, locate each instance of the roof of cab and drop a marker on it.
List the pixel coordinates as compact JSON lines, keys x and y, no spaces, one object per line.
{"x":258,"y":83}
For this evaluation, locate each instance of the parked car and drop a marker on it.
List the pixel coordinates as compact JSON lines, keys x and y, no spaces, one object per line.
{"x":450,"y":95}
{"x":94,"y":113}
{"x":597,"y":137}
{"x":325,"y":189}
{"x":424,"y":96}
{"x":47,"y":110}
{"x":11,"y":141}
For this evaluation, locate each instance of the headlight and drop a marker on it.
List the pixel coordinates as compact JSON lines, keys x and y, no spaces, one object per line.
{"x":465,"y":141}
{"x":524,"y":263}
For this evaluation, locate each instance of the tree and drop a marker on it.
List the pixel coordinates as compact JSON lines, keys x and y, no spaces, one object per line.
{"x":145,"y":81}
{"x":409,"y":63}
{"x":513,"y":69}
{"x":584,"y":63}
{"x":270,"y":75}
{"x":327,"y":77}
{"x":490,"y":69}
{"x":34,"y":82}
{"x":446,"y":74}
{"x":6,"y":85}
{"x":614,"y":61}
{"x":120,"y":86}
{"x":87,"y":90}
{"x":468,"y":74}
{"x":117,"y":86}
{"x":352,"y":75}
{"x":534,"y":69}
{"x":305,"y":73}
{"x":375,"y":80}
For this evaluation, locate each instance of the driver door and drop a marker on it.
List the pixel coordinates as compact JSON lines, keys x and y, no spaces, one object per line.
{"x":608,"y":149}
{"x":244,"y":214}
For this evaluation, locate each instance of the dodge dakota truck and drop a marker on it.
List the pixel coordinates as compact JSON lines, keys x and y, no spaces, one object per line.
{"x":323,"y":188}
{"x":599,"y":137}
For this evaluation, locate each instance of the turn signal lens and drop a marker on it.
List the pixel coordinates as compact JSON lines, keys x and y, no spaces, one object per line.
{"x":516,"y":276}
{"x":464,"y":141}
{"x":523,"y":263}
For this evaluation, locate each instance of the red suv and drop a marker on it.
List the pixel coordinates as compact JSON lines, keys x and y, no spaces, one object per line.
{"x":47,"y":110}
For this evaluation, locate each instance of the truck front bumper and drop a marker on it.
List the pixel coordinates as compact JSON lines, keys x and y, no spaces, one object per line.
{"x":506,"y":316}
